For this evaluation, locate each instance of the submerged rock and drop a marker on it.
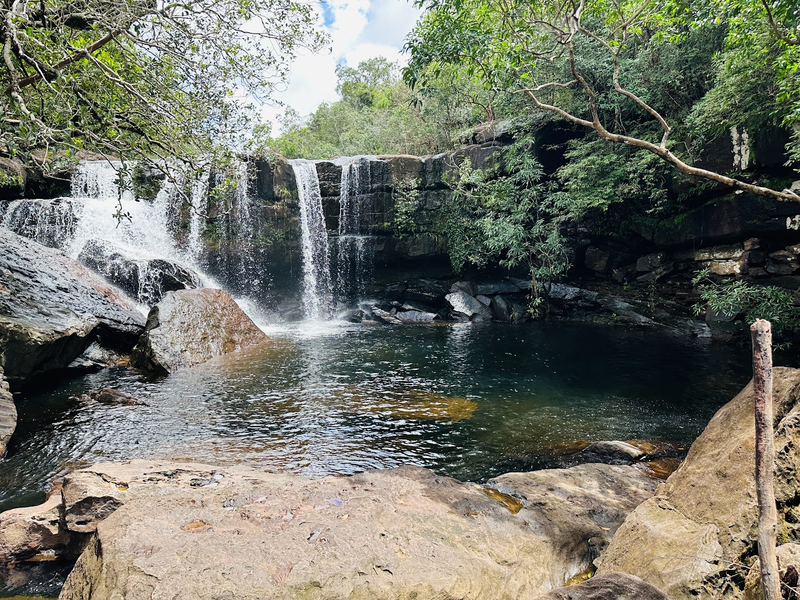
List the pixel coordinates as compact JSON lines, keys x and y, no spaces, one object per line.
{"x":188,"y":530}
{"x":189,"y":327}
{"x":614,"y":450}
{"x":693,"y":538}
{"x":8,"y":414}
{"x":52,"y":308}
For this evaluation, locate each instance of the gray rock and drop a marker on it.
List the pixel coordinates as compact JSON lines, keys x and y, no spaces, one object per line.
{"x":52,"y":308}
{"x":146,"y":280}
{"x":416,"y":316}
{"x":492,"y":287}
{"x":464,"y":304}
{"x":509,"y":311}
{"x":50,"y":222}
{"x":111,"y":397}
{"x":386,"y":316}
{"x":8,"y":414}
{"x":197,"y":531}
{"x":597,"y":259}
{"x":692,"y":537}
{"x":650,"y":262}
{"x":609,"y":586}
{"x":485,"y":300}
{"x":189,"y":327}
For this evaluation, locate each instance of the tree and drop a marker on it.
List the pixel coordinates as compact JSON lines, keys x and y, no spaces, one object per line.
{"x":142,"y":79}
{"x":568,"y":58}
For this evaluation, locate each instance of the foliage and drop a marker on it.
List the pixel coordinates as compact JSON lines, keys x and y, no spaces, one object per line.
{"x":738,"y":297}
{"x":139,"y":78}
{"x":405,"y":198}
{"x":630,"y":70}
{"x":374,"y":116}
{"x":509,"y":214}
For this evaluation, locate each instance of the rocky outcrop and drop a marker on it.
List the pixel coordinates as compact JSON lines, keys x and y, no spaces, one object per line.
{"x":189,"y":327}
{"x":610,"y":586}
{"x":146,"y":280}
{"x":694,"y":536}
{"x":204,"y":532}
{"x":8,"y":414}
{"x":52,"y":308}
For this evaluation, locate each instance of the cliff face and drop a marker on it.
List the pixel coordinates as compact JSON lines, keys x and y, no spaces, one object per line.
{"x":250,"y":233}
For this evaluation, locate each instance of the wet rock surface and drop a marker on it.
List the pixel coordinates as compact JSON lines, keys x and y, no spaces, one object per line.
{"x":52,"y":308}
{"x":694,"y":537}
{"x":189,"y":327}
{"x":147,"y":280}
{"x":8,"y":414}
{"x":188,"y":530}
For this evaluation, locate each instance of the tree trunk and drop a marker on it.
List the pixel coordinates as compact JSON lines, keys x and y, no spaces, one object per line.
{"x":761,"y":334}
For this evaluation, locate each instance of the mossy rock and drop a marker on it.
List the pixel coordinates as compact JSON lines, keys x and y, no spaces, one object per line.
{"x":13,"y":177}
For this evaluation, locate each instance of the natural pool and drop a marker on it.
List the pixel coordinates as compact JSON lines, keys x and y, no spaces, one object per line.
{"x":467,"y":400}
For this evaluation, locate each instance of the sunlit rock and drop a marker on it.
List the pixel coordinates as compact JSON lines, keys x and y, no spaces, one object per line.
{"x":189,"y":327}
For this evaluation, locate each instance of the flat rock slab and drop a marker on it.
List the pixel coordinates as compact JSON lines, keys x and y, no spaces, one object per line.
{"x":178,"y":530}
{"x":52,"y":308}
{"x":190,"y":327}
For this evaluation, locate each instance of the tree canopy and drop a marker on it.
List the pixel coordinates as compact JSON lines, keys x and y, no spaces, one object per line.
{"x":140,"y":78}
{"x":586,"y":62}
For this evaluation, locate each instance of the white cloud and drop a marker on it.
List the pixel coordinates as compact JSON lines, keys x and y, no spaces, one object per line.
{"x":359,"y":29}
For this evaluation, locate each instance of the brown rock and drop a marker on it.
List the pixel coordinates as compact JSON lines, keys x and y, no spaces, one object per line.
{"x":189,"y":327}
{"x":31,"y":531}
{"x":702,"y":521}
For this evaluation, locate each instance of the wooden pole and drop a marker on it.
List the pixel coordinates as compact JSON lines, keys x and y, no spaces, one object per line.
{"x":761,"y":334}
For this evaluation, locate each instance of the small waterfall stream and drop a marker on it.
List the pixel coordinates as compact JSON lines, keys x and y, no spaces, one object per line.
{"x":335,"y":271}
{"x":355,"y":251}
{"x":317,"y":294}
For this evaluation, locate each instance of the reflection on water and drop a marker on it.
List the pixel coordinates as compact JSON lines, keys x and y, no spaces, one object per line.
{"x":470,"y":401}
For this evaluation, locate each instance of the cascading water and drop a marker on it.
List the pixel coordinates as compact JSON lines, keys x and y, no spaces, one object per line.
{"x":317,"y":295}
{"x":354,"y":251}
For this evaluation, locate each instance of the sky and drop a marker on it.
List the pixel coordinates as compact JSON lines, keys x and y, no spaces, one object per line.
{"x":358,"y":30}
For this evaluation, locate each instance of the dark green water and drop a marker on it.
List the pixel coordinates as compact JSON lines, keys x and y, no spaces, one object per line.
{"x":470,"y":401}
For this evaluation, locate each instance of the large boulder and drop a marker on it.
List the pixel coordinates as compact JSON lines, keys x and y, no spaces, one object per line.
{"x":189,"y":327}
{"x":196,"y":531}
{"x":147,"y":280}
{"x":8,"y":414}
{"x":34,"y":533}
{"x":693,"y":538}
{"x":52,"y":308}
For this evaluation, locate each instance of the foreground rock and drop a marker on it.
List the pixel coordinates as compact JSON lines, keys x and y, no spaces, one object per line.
{"x":52,"y":308}
{"x":189,"y":327}
{"x":610,"y":586}
{"x":8,"y":414}
{"x":694,"y":537}
{"x":195,"y":531}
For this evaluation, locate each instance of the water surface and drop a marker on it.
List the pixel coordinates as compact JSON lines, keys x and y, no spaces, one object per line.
{"x":467,"y":400}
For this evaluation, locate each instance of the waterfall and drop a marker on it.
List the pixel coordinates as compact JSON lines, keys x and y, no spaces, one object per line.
{"x":354,"y":250}
{"x":317,"y":295}
{"x":49,"y":222}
